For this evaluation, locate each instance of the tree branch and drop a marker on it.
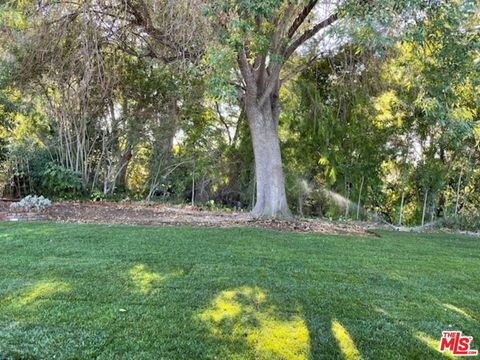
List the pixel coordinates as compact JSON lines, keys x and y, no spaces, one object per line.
{"x":301,"y":18}
{"x":247,"y":73}
{"x":142,"y":18}
{"x":309,"y":34}
{"x":222,"y":120}
{"x":298,"y":70}
{"x":281,"y":26}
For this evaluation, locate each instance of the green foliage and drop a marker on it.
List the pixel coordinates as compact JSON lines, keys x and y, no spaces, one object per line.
{"x":403,"y":118}
{"x":57,"y":180}
{"x":335,"y":111}
{"x":467,"y":222}
{"x":9,"y":106}
{"x":97,"y":195}
{"x":219,"y":59}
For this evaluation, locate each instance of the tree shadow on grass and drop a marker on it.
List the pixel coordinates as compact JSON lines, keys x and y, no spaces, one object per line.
{"x":244,"y":322}
{"x":24,"y":333}
{"x":343,"y":326}
{"x":190,"y":302}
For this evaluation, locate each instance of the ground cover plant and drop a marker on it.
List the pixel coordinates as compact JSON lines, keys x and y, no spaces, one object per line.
{"x":72,"y":291}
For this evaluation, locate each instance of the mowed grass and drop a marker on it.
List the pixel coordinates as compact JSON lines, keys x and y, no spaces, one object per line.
{"x":118,"y":292}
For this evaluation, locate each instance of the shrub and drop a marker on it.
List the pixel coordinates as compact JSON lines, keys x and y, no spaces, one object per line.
{"x":32,"y":202}
{"x":97,"y":195}
{"x":469,"y":222}
{"x":57,"y":180}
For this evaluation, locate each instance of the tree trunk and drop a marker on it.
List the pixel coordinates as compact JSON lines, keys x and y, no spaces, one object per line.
{"x":360,"y":197}
{"x":122,"y":167}
{"x":347,"y":191}
{"x":271,"y":200}
{"x":457,"y":195}
{"x":401,"y":208}
{"x":193,"y":186}
{"x":424,"y":207}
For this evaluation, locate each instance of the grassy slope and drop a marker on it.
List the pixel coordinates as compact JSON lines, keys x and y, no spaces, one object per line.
{"x":231,"y":293}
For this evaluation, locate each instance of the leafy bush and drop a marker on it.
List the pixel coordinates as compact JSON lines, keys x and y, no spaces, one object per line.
{"x":57,"y":179}
{"x":470,"y":222}
{"x":97,"y":195}
{"x":31,"y":202}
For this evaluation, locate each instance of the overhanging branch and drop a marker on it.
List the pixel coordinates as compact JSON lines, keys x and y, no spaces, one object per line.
{"x":298,"y":70}
{"x":142,"y":18}
{"x":301,"y":18}
{"x":308,"y":34}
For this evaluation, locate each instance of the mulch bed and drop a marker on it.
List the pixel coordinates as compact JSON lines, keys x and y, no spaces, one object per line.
{"x":136,"y":213}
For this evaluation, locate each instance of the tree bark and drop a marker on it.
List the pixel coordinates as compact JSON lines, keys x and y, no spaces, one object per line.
{"x":360,"y":197}
{"x":424,"y":207}
{"x":347,"y":191}
{"x":260,"y":96}
{"x":122,"y":167}
{"x":193,"y":186}
{"x":400,"y":219}
{"x":271,"y":200}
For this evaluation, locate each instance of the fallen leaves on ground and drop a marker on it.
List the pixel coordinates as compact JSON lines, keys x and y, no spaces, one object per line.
{"x":138,"y":213}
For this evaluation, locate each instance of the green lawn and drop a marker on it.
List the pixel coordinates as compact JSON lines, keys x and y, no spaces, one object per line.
{"x":118,"y":292}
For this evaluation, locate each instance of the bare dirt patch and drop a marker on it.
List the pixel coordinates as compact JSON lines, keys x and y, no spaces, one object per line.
{"x":132,"y":213}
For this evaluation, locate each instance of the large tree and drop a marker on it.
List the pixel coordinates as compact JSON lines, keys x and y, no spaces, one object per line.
{"x":262,"y":36}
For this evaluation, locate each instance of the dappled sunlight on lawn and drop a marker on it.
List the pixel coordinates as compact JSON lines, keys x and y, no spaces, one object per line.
{"x":43,"y":289}
{"x":145,"y":281}
{"x":42,"y":229}
{"x":244,"y":313}
{"x":189,"y":293}
{"x":345,"y":342}
{"x":432,"y":343}
{"x":458,"y":311}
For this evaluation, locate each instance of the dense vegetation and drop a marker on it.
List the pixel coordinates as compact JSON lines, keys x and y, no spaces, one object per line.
{"x":91,"y":291}
{"x":376,"y":114}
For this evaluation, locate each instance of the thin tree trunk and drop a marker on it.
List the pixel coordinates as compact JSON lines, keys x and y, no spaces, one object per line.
{"x":121,"y":177}
{"x":432,"y":215}
{"x":347,"y":191}
{"x":360,"y":197}
{"x":458,"y":192}
{"x":424,"y":206}
{"x":153,"y":185}
{"x":301,"y":196}
{"x":459,"y":184}
{"x":401,"y":208}
{"x":193,"y":187}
